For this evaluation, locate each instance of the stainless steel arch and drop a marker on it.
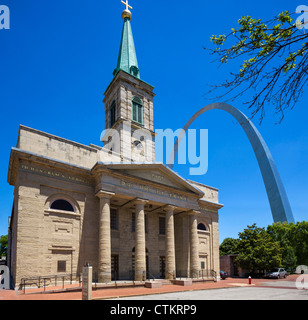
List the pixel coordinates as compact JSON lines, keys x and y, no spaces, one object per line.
{"x":279,"y":203}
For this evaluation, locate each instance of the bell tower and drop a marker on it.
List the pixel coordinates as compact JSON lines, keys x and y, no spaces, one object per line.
{"x":129,"y":104}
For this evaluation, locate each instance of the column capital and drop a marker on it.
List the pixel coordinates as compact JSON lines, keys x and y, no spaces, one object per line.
{"x":192,"y":212}
{"x":104,"y":194}
{"x":140,"y":201}
{"x":170,"y":207}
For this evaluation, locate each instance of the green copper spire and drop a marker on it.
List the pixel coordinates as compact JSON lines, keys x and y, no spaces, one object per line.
{"x":127,"y":60}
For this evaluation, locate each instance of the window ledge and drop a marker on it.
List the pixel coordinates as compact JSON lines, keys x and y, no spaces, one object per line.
{"x":137,"y":123}
{"x":61,"y":248}
{"x":203,"y":231}
{"x":59,"y":212}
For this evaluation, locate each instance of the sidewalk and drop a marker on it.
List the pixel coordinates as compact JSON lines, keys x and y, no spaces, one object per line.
{"x":108,"y":293}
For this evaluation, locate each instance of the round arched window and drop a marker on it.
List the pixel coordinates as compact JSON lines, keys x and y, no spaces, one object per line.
{"x":137,"y":113}
{"x":201,"y":226}
{"x":62,"y":204}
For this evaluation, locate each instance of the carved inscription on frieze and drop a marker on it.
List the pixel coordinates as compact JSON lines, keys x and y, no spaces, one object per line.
{"x":54,"y":174}
{"x":147,"y":189}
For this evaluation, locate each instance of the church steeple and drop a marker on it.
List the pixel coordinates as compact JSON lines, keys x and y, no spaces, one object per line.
{"x":129,"y":104}
{"x":127,"y":59}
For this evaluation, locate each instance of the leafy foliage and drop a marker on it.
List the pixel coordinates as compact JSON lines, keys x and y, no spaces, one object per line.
{"x":280,"y":244}
{"x":3,"y":245}
{"x":228,"y":246}
{"x":274,"y":62}
{"x":293,"y":238}
{"x":256,"y":250}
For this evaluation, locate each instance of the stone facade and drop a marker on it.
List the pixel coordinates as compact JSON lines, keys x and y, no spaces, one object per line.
{"x":44,"y":168}
{"x":121,"y":92}
{"x":114,"y":207}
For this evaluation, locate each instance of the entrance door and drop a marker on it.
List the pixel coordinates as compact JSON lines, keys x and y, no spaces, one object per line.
{"x":204,"y":272}
{"x":162,"y":266}
{"x":115,"y":267}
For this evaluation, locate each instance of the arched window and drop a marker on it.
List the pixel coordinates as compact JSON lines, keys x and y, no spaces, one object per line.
{"x":201,"y":226}
{"x":137,"y":110}
{"x":62,"y":204}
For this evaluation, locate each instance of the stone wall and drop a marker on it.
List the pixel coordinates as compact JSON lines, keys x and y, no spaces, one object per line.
{"x":47,"y":145}
{"x":41,"y":237}
{"x":45,"y":236}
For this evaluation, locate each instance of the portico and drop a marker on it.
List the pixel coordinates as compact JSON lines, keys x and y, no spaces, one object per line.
{"x":105,"y":239}
{"x":142,"y":196}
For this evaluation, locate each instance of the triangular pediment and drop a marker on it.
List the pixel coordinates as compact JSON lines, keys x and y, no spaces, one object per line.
{"x":155,"y":173}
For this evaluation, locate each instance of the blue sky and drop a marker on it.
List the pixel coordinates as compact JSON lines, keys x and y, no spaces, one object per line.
{"x":57,"y":59}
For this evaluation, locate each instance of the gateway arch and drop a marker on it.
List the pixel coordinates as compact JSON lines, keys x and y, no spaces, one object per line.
{"x":279,"y":203}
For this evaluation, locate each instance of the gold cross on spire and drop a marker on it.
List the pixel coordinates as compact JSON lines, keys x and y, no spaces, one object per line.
{"x":127,"y":5}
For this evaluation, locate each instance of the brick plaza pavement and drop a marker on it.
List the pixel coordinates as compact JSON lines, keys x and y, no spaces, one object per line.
{"x":107,"y":293}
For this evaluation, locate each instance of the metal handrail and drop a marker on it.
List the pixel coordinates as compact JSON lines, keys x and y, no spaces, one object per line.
{"x":149,"y":275}
{"x":214,"y":275}
{"x":194,"y":273}
{"x":45,"y":281}
{"x":132,"y":275}
{"x":40,"y":281}
{"x":203,"y":274}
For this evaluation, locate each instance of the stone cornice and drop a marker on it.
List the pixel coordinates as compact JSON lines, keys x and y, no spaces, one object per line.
{"x":102,"y":194}
{"x":210,"y":204}
{"x":37,"y":159}
{"x":126,"y":77}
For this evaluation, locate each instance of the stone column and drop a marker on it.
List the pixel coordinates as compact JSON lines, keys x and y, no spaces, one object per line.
{"x":170,"y":247}
{"x":194,"y":245}
{"x":140,"y":254}
{"x":104,"y":237}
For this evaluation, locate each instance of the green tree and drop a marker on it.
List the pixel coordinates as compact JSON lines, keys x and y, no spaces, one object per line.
{"x":289,"y":259}
{"x":273,"y":58}
{"x":292,"y":238}
{"x":256,"y":250}
{"x":3,"y":245}
{"x":228,"y":246}
{"x":281,"y":232}
{"x":300,"y":242}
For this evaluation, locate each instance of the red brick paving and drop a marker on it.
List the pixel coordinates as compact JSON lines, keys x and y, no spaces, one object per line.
{"x":133,"y":291}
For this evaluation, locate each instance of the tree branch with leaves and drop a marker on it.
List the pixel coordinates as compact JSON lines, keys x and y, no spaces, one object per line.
{"x":274,"y":62}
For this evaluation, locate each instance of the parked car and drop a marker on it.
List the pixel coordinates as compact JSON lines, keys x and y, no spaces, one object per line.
{"x":277,"y":273}
{"x":223,"y":275}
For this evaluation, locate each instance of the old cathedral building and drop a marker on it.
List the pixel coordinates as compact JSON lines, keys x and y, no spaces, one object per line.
{"x":114,"y":206}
